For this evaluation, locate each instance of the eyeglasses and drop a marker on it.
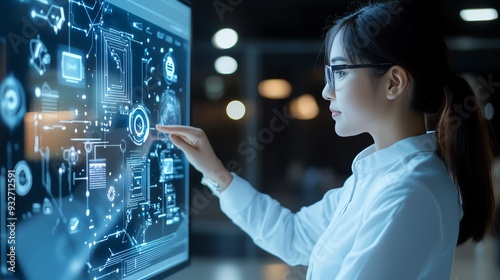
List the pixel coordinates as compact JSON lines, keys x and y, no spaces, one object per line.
{"x":330,"y":71}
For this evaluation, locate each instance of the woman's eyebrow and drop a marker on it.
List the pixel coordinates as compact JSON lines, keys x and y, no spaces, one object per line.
{"x":337,"y":59}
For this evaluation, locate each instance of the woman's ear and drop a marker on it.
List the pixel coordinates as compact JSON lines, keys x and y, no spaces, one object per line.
{"x":399,"y":79}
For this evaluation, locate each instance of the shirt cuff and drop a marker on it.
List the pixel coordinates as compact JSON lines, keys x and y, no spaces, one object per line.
{"x":237,"y":196}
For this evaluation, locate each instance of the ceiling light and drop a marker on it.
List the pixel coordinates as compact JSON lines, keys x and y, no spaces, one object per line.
{"x":479,"y":14}
{"x":226,"y":65}
{"x":304,"y":107}
{"x":214,"y":87}
{"x":225,"y":38}
{"x":235,"y":110}
{"x":275,"y":88}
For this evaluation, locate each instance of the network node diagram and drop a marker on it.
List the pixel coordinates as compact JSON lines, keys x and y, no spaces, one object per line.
{"x":99,"y":193}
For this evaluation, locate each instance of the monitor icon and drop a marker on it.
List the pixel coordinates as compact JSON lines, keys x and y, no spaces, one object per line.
{"x":71,"y":67}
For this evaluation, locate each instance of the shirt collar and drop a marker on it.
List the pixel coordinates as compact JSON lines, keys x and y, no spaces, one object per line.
{"x":369,"y":160}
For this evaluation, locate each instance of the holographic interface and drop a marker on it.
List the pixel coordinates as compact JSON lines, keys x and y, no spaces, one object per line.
{"x":99,"y":193}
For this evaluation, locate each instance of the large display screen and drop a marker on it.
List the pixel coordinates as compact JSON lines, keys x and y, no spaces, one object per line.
{"x":88,"y":188}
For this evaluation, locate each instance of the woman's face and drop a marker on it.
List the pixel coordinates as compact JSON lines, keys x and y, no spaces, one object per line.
{"x":353,"y":103}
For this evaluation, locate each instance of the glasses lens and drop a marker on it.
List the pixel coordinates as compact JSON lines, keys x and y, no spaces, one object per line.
{"x":329,"y":78}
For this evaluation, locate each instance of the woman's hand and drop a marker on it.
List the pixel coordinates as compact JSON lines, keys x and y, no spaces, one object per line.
{"x":196,"y":146}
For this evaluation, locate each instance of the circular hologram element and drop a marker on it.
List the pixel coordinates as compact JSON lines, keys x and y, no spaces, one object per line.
{"x":71,"y":155}
{"x":139,"y":125}
{"x":170,"y":108}
{"x":12,"y":101}
{"x":24,"y":178}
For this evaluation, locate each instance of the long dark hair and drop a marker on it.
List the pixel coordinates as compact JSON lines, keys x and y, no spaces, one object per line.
{"x":398,"y":32}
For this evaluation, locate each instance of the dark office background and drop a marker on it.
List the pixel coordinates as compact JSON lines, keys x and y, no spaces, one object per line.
{"x":298,"y":164}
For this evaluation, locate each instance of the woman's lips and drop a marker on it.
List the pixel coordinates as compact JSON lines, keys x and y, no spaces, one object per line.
{"x":335,"y":113}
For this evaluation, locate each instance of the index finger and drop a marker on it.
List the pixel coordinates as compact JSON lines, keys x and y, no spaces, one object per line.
{"x":185,"y":130}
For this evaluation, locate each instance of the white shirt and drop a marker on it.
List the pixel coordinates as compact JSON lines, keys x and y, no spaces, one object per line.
{"x":396,"y":217}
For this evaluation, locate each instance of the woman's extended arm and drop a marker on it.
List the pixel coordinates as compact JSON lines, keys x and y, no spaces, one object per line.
{"x":196,"y":146}
{"x":290,"y":236}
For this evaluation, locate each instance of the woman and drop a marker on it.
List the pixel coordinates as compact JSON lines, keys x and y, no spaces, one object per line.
{"x":423,"y":187}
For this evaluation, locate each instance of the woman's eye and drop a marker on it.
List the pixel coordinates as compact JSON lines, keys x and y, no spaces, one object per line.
{"x":339,"y":74}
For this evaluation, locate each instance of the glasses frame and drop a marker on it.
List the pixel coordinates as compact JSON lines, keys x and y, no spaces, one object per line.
{"x":330,"y":70}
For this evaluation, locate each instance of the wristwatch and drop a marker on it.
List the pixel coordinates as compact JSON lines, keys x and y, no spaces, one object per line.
{"x":212,"y":185}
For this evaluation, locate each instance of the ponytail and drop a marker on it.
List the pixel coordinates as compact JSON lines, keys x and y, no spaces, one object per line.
{"x":465,"y":147}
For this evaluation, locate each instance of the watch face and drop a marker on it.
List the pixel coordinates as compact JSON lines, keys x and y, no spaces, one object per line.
{"x":212,"y":185}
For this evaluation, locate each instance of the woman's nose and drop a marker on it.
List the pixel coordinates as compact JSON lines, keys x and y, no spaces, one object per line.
{"x":327,"y":93}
